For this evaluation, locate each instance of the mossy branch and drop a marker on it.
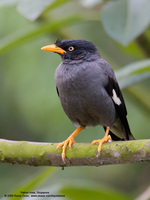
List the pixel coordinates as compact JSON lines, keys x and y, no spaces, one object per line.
{"x":45,"y":154}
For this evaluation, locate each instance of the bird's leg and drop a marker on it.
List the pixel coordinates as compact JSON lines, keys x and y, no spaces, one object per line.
{"x":69,"y":141}
{"x":104,"y":139}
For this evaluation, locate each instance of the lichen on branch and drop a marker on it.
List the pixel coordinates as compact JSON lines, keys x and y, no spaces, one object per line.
{"x":82,"y":154}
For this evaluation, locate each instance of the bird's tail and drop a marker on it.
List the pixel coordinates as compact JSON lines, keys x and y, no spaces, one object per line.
{"x":120,"y":134}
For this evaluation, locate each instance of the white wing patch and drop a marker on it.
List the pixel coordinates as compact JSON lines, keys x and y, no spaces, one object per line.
{"x":115,"y":98}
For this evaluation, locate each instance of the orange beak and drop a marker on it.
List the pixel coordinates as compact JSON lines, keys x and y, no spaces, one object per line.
{"x":53,"y":48}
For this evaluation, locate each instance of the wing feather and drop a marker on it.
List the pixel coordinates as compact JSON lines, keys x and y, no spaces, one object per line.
{"x":115,"y":93}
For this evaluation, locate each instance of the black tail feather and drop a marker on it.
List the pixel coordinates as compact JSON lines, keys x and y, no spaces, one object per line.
{"x":115,"y":138}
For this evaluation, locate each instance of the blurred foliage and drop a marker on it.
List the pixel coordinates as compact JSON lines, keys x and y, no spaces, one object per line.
{"x":125,"y":20}
{"x":30,"y":108}
{"x":28,"y":188}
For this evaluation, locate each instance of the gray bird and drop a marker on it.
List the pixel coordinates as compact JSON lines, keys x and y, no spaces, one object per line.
{"x":89,"y":92}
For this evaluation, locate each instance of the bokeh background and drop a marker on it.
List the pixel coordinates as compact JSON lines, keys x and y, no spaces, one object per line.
{"x":30,"y":108}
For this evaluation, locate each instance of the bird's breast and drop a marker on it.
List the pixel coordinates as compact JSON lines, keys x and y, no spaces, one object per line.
{"x":83,"y":98}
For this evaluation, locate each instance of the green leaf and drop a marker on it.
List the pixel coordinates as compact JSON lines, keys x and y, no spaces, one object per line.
{"x":55,"y":4}
{"x":4,"y":3}
{"x":22,"y":35}
{"x":126,"y":19}
{"x":88,"y":193}
{"x":131,"y":80}
{"x":133,"y":73}
{"x":32,"y":9}
{"x":134,"y":68}
{"x":34,"y":182}
{"x":90,"y":3}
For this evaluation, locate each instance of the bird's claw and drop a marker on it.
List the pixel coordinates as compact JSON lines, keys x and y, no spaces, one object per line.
{"x":106,"y":138}
{"x":70,"y":140}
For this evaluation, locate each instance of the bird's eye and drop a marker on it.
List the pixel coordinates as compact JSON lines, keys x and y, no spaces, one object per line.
{"x":71,"y":48}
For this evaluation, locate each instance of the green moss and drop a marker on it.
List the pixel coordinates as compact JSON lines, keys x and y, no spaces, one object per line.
{"x":38,"y":154}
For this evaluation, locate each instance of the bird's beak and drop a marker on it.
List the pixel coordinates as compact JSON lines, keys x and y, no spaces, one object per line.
{"x":53,"y":48}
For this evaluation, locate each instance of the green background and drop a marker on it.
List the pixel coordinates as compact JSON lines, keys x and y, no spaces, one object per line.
{"x":30,"y":108}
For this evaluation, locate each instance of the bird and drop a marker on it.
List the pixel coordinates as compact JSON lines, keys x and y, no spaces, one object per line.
{"x":89,"y":92}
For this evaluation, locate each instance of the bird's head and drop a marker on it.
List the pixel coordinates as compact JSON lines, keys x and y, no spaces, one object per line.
{"x":73,"y":49}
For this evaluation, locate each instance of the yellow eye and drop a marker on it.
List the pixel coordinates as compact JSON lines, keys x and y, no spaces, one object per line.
{"x":71,"y":48}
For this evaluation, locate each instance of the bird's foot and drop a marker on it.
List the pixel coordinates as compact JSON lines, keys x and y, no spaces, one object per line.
{"x":106,"y":138}
{"x":69,"y":141}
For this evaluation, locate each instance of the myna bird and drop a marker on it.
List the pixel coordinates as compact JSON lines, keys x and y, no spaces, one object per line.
{"x":89,"y":92}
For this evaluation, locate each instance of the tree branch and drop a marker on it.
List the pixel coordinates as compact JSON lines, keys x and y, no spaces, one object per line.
{"x":45,"y":154}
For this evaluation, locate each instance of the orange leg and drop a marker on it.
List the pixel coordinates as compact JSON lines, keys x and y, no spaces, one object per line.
{"x":69,"y":141}
{"x":104,"y":139}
